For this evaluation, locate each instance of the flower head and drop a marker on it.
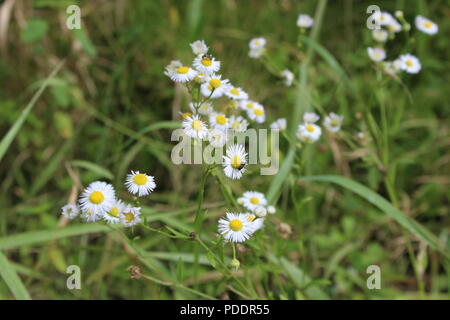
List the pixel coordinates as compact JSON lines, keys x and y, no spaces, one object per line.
{"x":257,"y":43}
{"x":219,"y":121}
{"x":288,"y":77}
{"x":333,"y":122}
{"x":236,"y":93}
{"x":217,"y":138}
{"x":376,"y":54}
{"x":214,"y":86}
{"x":204,"y":109}
{"x":181,"y":73}
{"x":279,"y":124}
{"x":195,"y":128}
{"x":199,"y":47}
{"x":380,"y":35}
{"x":206,"y":64}
{"x":238,"y":123}
{"x":234,"y":162}
{"x":97,"y":198}
{"x":235,"y":227}
{"x":426,"y":25}
{"x":140,"y":184}
{"x":70,"y":211}
{"x":310,"y":117}
{"x":410,"y":63}
{"x":257,"y":113}
{"x":304,"y":21}
{"x":130,"y":216}
{"x":113,"y":215}
{"x":309,"y":132}
{"x":252,"y":199}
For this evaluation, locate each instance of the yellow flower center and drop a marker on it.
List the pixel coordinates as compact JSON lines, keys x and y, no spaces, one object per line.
{"x":185,"y":115}
{"x":233,"y":104}
{"x":140,"y":179}
{"x":334,"y":122}
{"x":236,"y":125}
{"x":257,"y":42}
{"x":114,"y":212}
{"x":96,"y":197}
{"x":409,"y":63}
{"x":129,"y":217}
{"x":207,"y":62}
{"x":234,"y":91}
{"x":220,"y":119}
{"x":183,"y":70}
{"x":428,"y":24}
{"x":197,"y":125}
{"x":376,"y":55}
{"x":250,"y":218}
{"x":236,"y":162}
{"x":250,"y":105}
{"x":309,"y":128}
{"x":254,"y":200}
{"x":259,"y":112}
{"x":204,"y":107}
{"x":236,"y":225}
{"x":215,"y":83}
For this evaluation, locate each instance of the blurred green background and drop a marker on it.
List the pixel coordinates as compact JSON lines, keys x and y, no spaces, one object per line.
{"x":110,"y":109}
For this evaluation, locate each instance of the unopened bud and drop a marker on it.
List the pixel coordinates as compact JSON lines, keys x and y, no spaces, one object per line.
{"x":260,"y":212}
{"x":399,"y":14}
{"x":271,"y":209}
{"x":235,"y":263}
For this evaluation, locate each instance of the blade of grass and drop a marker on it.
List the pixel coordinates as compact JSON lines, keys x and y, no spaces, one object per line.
{"x":12,"y":280}
{"x":102,"y":172}
{"x":14,"y":130}
{"x":381,"y":203}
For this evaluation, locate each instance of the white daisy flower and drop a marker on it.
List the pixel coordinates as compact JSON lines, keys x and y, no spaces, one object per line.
{"x":311,"y":117}
{"x":236,"y":93}
{"x":182,"y":74}
{"x":195,"y":128}
{"x":304,"y":21}
{"x":214,"y":86}
{"x":394,"y":26}
{"x":383,"y":18}
{"x":257,"y":113}
{"x":279,"y":124}
{"x":380,"y":35}
{"x":217,"y":138}
{"x":410,"y":63}
{"x":376,"y":54}
{"x":97,"y":198}
{"x":90,"y":216}
{"x":219,"y":121}
{"x":256,"y":53}
{"x":252,"y":199}
{"x":204,"y":109}
{"x":248,"y":105}
{"x":234,"y":162}
{"x":333,"y":122}
{"x":200,"y":77}
{"x":70,"y":211}
{"x":238,"y":123}
{"x":140,"y":184}
{"x":130,"y":216}
{"x":257,"y":43}
{"x":426,"y":25}
{"x":199,"y":47}
{"x":309,"y":132}
{"x":113,"y":215}
{"x":206,"y":64}
{"x":288,"y":77}
{"x":235,"y":227}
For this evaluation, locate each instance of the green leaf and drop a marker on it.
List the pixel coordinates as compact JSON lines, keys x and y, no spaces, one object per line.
{"x":14,"y":130}
{"x":34,"y":31}
{"x":34,"y":237}
{"x":95,"y":168}
{"x":12,"y":280}
{"x":381,"y":203}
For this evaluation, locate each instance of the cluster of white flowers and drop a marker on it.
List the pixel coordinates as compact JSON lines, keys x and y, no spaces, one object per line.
{"x":99,"y":202}
{"x":389,"y":27}
{"x":239,"y":227}
{"x":211,"y":118}
{"x":309,"y":132}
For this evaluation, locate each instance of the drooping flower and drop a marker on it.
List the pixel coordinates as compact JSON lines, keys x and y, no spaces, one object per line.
{"x":426,"y":25}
